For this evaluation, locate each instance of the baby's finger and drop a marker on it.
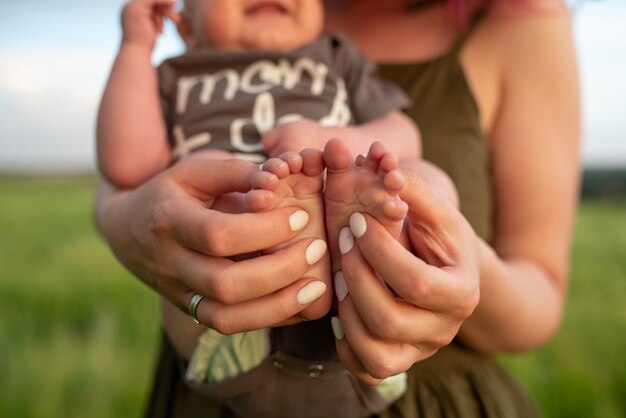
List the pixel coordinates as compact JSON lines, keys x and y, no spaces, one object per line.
{"x":174,"y":16}
{"x":157,"y":20}
{"x":163,"y":4}
{"x":160,"y":9}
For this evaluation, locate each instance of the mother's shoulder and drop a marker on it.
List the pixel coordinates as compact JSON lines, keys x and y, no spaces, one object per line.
{"x":521,"y":28}
{"x":516,"y":40}
{"x":511,"y":9}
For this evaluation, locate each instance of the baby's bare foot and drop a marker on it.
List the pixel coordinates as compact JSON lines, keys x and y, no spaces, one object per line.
{"x":295,"y":180}
{"x":370,"y":184}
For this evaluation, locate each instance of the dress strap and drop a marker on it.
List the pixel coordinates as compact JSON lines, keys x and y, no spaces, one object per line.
{"x":466,"y":33}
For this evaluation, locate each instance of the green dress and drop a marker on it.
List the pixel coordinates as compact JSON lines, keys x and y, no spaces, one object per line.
{"x":456,"y":381}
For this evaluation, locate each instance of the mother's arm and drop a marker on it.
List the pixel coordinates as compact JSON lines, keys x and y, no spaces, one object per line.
{"x":534,"y":145}
{"x":166,"y":233}
{"x":523,"y":277}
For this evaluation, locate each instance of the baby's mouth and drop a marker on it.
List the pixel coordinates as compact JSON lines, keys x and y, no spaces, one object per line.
{"x":266,"y":8}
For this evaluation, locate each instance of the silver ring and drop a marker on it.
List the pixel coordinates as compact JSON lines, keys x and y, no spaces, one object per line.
{"x":193,"y":307}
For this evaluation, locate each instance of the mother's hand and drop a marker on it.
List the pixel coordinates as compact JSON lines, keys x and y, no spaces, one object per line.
{"x":167,"y":234}
{"x":423,"y":298}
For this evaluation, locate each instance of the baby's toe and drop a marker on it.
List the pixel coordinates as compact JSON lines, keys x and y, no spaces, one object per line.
{"x":264,"y":180}
{"x":312,"y":162}
{"x":388,"y":162}
{"x":374,"y":155}
{"x":293,"y":160}
{"x":395,"y":209}
{"x":276,"y":166}
{"x":337,"y":156}
{"x":394,"y":182}
{"x":259,"y":200}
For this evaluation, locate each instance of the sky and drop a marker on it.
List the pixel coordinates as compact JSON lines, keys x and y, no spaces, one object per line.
{"x":54,"y":60}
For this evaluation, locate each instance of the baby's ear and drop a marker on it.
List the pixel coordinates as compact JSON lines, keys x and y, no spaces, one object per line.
{"x":184,"y":29}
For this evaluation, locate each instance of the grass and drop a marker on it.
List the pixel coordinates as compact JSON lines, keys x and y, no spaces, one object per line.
{"x":78,"y":334}
{"x":582,"y":372}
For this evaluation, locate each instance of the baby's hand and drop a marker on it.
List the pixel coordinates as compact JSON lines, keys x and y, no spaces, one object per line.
{"x":142,"y":21}
{"x":295,"y":136}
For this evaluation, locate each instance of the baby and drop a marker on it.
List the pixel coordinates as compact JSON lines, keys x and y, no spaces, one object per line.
{"x":259,"y":79}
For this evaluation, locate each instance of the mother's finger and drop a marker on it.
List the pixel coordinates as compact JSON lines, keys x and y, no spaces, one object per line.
{"x":426,"y":205}
{"x":439,"y":233}
{"x":347,"y":356}
{"x":262,"y":312}
{"x":386,"y":317}
{"x":230,"y":282}
{"x":204,"y":179}
{"x":225,"y":235}
{"x":380,"y":358}
{"x":411,"y":278}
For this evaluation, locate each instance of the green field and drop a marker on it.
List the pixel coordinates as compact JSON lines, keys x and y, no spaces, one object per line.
{"x":78,"y":334}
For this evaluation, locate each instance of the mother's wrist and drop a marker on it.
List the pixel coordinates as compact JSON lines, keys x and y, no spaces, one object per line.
{"x":107,"y":208}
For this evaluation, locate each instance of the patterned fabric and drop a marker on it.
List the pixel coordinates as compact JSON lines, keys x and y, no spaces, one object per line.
{"x":227,"y":100}
{"x":220,"y":357}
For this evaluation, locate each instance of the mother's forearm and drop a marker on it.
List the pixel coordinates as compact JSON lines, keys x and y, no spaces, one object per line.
{"x":105,"y":194}
{"x":520,"y":307}
{"x":111,"y":216}
{"x":109,"y":210}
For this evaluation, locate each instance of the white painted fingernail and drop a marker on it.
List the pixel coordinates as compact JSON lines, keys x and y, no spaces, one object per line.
{"x":315,"y":251}
{"x":298,"y":220}
{"x":341,"y":288}
{"x":310,"y":292}
{"x":358,"y":224}
{"x":346,"y":240}
{"x":337,"y":329}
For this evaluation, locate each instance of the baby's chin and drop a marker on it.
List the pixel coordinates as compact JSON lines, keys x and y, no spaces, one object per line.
{"x":266,"y":39}
{"x":277,"y":40}
{"x":283,"y":37}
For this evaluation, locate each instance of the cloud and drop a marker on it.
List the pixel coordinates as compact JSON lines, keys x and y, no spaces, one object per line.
{"x":49,"y":93}
{"x":601,"y":41}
